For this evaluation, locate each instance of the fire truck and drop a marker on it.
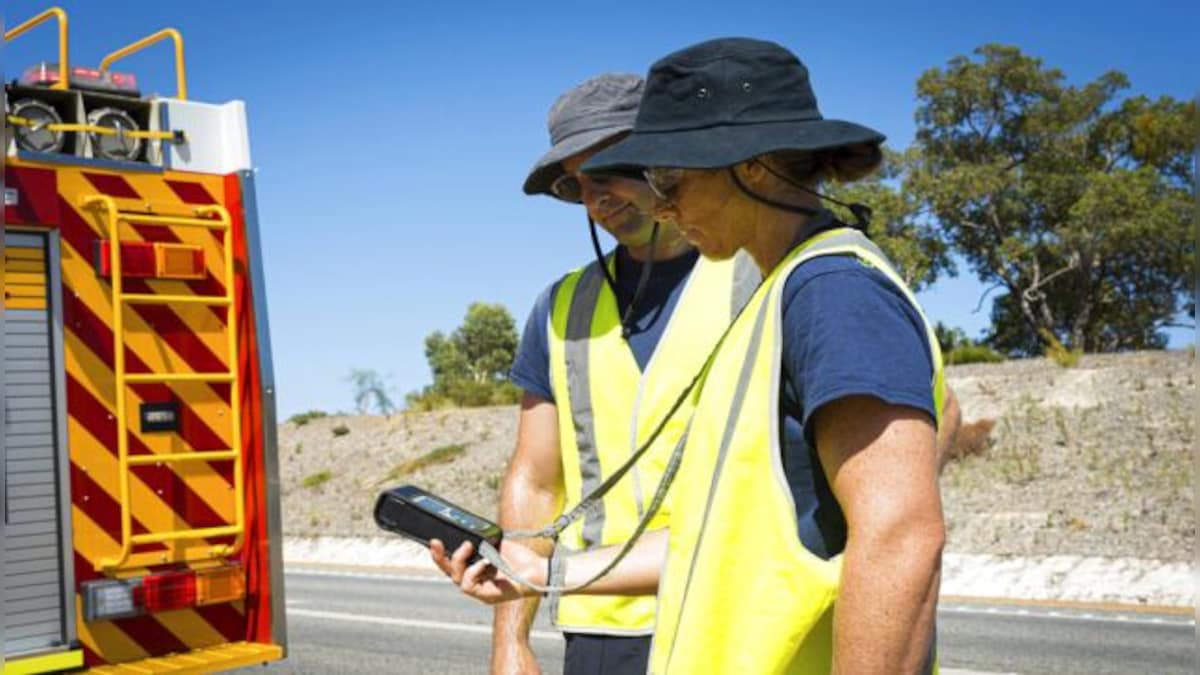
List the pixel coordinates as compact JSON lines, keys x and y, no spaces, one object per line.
{"x":140,"y":477}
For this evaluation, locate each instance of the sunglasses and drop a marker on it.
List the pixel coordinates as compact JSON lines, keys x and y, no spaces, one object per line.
{"x":568,"y":187}
{"x":663,"y":180}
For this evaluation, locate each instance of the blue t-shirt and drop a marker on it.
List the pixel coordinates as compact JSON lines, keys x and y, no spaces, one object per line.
{"x":847,"y":330}
{"x":531,"y":368}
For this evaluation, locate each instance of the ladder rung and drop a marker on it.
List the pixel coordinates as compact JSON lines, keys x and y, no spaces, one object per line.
{"x":178,"y":377}
{"x":202,"y":533}
{"x":205,"y":456}
{"x":180,"y":221}
{"x":154,"y":299}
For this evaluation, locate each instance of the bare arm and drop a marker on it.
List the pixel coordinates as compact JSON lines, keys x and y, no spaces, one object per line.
{"x":948,"y":429}
{"x":531,"y":497}
{"x":882,"y":463}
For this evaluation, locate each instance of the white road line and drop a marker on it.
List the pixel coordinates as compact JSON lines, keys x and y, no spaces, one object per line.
{"x":411,"y":623}
{"x":1182,"y":620}
{"x":419,"y":578}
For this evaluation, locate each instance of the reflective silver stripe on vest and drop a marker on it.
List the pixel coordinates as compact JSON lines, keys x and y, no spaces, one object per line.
{"x":846,"y":237}
{"x":746,"y":278}
{"x":579,"y":387}
{"x":735,"y":408}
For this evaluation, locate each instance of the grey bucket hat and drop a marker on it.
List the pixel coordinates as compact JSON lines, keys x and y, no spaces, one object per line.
{"x":585,"y":116}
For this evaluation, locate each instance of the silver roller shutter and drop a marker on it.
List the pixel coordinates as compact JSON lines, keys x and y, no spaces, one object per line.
{"x":35,"y":578}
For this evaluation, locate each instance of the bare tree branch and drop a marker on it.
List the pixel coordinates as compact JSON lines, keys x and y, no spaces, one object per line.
{"x":984,"y":297}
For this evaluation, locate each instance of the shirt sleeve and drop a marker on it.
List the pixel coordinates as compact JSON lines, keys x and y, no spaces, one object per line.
{"x":531,"y":367}
{"x":848,"y":331}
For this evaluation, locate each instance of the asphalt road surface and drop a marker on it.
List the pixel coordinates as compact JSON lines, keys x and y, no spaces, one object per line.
{"x":365,"y":623}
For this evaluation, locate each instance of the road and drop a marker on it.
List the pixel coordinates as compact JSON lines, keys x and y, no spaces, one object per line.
{"x":365,"y":623}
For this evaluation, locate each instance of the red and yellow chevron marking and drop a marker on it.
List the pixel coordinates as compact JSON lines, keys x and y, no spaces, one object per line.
{"x":158,"y":338}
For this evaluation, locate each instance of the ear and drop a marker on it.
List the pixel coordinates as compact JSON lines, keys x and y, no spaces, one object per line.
{"x":751,"y":172}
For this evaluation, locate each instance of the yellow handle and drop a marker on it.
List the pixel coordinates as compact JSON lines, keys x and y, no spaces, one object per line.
{"x":91,"y":128}
{"x":180,"y":74}
{"x":52,"y":13}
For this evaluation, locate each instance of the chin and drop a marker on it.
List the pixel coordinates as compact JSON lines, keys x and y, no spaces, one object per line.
{"x":715,"y":253}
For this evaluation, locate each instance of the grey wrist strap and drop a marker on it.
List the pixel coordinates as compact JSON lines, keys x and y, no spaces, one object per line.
{"x":558,"y":562}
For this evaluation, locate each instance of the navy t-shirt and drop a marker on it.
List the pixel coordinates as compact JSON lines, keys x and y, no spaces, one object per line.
{"x":531,"y":368}
{"x":847,"y":330}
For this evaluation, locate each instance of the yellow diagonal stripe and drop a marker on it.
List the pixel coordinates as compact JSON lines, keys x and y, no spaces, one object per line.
{"x":103,"y":467}
{"x":143,"y":342}
{"x":201,"y":321}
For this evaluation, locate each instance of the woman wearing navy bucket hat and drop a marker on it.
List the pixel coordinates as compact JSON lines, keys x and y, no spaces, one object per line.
{"x":806,"y":526}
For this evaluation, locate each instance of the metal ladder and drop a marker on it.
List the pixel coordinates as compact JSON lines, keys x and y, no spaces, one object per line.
{"x":213,"y":217}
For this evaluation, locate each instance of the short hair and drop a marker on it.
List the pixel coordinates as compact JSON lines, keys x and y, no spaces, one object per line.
{"x":844,"y":164}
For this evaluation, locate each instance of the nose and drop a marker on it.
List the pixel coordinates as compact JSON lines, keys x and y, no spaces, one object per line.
{"x":596,"y":196}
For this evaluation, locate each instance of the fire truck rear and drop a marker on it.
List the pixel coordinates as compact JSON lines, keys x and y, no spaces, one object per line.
{"x":141,"y":507}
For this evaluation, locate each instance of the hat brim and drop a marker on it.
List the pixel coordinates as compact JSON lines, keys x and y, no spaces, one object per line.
{"x":549,"y":167}
{"x":722,"y":146}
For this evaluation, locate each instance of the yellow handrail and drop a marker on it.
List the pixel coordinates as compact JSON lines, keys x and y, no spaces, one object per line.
{"x":180,"y":74}
{"x":53,"y":12}
{"x":91,"y":129}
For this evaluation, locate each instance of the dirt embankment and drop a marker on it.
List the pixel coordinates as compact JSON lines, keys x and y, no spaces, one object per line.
{"x":1093,"y":460}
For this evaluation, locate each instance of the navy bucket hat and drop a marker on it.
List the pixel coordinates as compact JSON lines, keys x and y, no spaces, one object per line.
{"x":722,"y":102}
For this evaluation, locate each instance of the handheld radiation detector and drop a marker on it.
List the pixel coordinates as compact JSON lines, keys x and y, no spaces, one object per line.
{"x":416,"y":514}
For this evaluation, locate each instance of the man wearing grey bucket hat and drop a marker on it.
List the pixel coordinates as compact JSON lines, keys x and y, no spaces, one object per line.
{"x":611,"y":342}
{"x":807,"y":481}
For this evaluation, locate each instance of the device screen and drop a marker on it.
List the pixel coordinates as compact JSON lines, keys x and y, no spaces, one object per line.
{"x":462,"y":518}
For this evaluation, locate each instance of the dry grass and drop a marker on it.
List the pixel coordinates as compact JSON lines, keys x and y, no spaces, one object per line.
{"x":441,"y":455}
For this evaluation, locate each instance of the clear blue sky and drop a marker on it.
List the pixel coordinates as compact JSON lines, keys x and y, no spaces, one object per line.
{"x":391,"y":139}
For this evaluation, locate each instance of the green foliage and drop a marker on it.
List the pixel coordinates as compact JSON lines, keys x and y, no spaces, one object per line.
{"x":1056,"y":352}
{"x":340,"y":430}
{"x":961,"y":356}
{"x":316,"y":479}
{"x":1073,"y":199}
{"x":909,"y":241}
{"x":470,"y":366}
{"x":440,"y":455}
{"x":300,"y":419}
{"x":370,"y":391}
{"x":958,"y":349}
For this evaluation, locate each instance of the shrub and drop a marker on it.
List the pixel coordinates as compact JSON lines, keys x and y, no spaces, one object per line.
{"x":300,"y":419}
{"x":441,"y":455}
{"x":316,"y":479}
{"x":1056,"y":352}
{"x":340,"y":430}
{"x":976,"y":353}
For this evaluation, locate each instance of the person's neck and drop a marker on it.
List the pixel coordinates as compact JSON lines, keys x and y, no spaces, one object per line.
{"x":670,"y":245}
{"x":775,"y":234}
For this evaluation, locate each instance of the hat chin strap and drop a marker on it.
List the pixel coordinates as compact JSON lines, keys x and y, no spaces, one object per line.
{"x":862,"y":212}
{"x":643,"y":280}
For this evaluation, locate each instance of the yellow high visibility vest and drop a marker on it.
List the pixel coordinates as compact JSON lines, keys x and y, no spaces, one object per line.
{"x":740,"y":593}
{"x":607,"y":407}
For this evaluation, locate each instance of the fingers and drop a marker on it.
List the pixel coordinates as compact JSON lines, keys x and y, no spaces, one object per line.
{"x":454,"y":566}
{"x":479,"y":573}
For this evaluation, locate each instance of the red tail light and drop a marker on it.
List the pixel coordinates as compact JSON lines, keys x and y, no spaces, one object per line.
{"x":172,"y":590}
{"x":108,"y":599}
